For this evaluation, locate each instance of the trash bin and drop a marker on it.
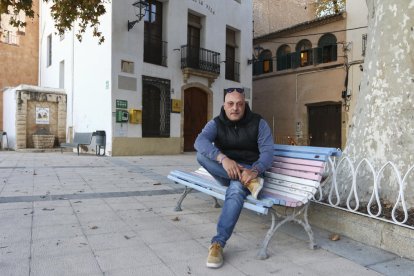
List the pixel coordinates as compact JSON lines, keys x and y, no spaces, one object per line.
{"x":100,"y":140}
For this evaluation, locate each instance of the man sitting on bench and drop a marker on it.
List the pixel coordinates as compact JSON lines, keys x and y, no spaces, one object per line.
{"x":242,"y":151}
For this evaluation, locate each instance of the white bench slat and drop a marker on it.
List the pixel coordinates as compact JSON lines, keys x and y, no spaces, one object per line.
{"x":270,"y":183}
{"x":288,"y":178}
{"x":290,"y":192}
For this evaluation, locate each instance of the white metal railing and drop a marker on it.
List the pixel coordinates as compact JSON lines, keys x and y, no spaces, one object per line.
{"x":350,"y":174}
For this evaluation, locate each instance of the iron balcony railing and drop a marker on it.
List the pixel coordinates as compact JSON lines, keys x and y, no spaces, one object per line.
{"x":232,"y":70}
{"x":200,"y":58}
{"x":155,"y":50}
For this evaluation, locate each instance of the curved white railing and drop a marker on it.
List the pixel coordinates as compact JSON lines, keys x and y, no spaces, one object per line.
{"x":349,"y":176}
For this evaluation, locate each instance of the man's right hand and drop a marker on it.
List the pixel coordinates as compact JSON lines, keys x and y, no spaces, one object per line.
{"x":232,"y":168}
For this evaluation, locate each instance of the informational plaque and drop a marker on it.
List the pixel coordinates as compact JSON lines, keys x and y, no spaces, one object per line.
{"x":42,"y":115}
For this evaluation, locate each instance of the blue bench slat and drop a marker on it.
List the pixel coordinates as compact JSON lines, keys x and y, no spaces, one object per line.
{"x":212,"y":185}
{"x":251,"y":206}
{"x":301,"y":155}
{"x":308,"y":149}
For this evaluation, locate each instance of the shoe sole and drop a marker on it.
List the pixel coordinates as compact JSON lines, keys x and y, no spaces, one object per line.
{"x":214,"y":265}
{"x":258,"y":190}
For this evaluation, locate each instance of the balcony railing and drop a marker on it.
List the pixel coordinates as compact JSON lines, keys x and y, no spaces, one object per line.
{"x":232,"y":70}
{"x":294,"y":60}
{"x":200,"y":59}
{"x":155,"y":50}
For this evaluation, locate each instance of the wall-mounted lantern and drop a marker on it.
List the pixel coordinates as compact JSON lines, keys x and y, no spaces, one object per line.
{"x":256,"y":52}
{"x":140,"y":8}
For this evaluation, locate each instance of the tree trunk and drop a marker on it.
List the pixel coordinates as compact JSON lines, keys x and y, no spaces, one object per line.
{"x":382,"y":126}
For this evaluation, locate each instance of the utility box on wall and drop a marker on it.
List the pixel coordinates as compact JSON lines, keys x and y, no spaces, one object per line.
{"x":121,"y":116}
{"x":135,"y":116}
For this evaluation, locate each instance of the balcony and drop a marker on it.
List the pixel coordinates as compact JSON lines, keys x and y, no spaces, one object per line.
{"x":200,"y":62}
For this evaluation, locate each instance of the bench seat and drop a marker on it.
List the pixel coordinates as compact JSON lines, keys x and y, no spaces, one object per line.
{"x":295,"y":177}
{"x":80,"y":138}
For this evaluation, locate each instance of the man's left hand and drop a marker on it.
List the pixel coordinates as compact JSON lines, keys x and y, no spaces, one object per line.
{"x":247,"y":175}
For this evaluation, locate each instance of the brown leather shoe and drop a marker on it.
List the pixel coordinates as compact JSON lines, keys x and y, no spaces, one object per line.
{"x":255,"y":186}
{"x":215,"y":255}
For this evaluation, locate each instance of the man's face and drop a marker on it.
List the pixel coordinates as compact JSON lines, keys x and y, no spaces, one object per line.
{"x":234,"y":105}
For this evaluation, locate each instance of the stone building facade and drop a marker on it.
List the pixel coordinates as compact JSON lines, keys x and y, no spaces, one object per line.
{"x":270,"y":15}
{"x":19,"y":53}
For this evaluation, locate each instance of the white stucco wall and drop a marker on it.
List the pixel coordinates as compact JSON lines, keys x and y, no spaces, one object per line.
{"x":87,"y":71}
{"x":9,"y":116}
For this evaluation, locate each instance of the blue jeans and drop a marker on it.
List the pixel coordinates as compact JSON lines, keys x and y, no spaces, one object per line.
{"x":236,"y":193}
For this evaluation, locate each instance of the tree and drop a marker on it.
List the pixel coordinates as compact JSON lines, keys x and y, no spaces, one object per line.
{"x":382,"y":126}
{"x":328,"y":7}
{"x":66,"y":13}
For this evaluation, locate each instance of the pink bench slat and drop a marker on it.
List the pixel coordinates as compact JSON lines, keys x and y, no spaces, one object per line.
{"x":306,"y":162}
{"x":297,"y":167}
{"x":306,"y":175}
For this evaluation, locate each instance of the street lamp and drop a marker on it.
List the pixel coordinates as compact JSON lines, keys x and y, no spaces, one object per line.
{"x":256,"y":52}
{"x":140,"y":8}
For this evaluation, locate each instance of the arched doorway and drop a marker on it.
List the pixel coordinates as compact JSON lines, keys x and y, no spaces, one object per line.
{"x":195,"y":115}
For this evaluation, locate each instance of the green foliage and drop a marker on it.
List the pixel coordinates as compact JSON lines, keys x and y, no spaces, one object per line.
{"x":329,"y":7}
{"x":65,"y":13}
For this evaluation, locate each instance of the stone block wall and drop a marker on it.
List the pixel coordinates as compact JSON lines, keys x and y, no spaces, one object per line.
{"x":26,"y":126}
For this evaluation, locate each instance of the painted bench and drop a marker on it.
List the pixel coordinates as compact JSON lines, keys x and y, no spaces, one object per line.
{"x":293,"y":180}
{"x":80,"y":138}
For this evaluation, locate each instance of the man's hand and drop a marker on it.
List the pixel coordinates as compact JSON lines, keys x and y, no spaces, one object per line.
{"x":232,"y":168}
{"x":247,"y":175}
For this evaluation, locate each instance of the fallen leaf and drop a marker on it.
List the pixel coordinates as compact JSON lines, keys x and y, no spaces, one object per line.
{"x":334,"y":237}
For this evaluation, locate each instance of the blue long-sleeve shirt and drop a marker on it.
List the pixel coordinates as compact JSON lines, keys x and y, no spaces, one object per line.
{"x":204,"y":144}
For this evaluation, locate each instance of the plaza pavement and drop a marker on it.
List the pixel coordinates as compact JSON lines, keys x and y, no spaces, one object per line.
{"x":63,"y":214}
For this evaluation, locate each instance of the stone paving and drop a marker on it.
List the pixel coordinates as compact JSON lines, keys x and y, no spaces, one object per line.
{"x":63,"y":214}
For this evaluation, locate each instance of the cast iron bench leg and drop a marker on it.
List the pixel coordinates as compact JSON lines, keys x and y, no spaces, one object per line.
{"x":180,"y":200}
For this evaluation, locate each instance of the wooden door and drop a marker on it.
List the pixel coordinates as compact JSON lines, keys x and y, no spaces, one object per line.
{"x":325,"y":125}
{"x":195,"y":115}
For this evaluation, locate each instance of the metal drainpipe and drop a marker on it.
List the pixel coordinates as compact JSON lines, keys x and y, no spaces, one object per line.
{"x":73,"y":73}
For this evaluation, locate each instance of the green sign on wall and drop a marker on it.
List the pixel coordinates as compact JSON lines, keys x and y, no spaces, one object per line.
{"x":121,"y":104}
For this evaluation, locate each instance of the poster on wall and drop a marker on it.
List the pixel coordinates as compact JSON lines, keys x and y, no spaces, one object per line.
{"x":42,"y":115}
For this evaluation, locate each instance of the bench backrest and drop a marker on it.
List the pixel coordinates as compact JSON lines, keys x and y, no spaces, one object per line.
{"x":83,"y":138}
{"x":296,"y":173}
